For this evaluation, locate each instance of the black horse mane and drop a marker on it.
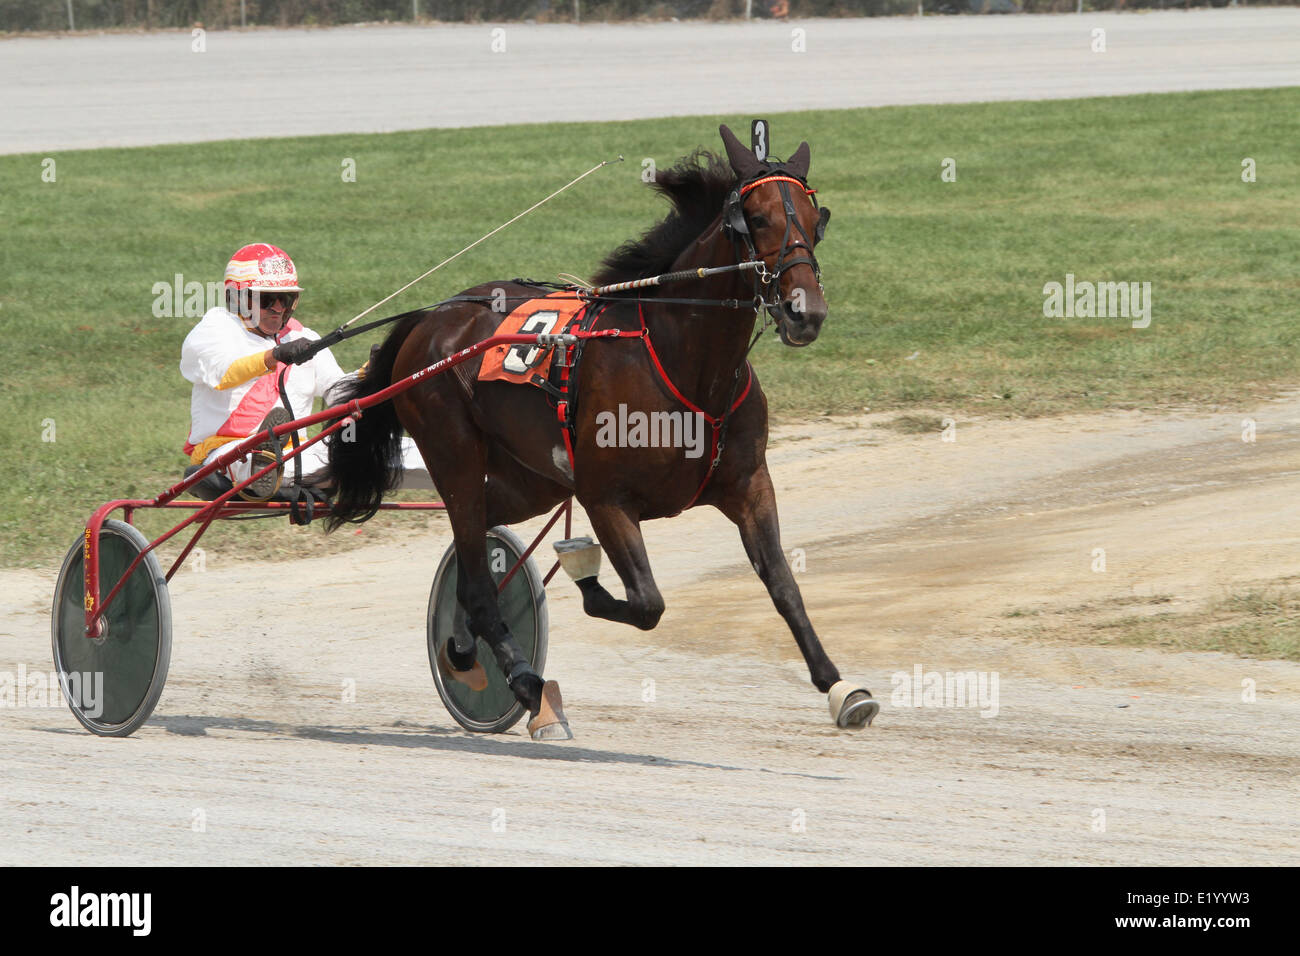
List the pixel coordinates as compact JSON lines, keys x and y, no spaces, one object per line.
{"x":697,"y":187}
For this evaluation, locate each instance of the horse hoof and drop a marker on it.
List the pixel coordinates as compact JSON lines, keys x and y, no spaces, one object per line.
{"x":580,"y":557}
{"x":851,"y":707}
{"x":475,"y":678}
{"x":550,"y":723}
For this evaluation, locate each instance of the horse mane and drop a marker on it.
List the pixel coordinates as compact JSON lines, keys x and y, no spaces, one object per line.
{"x":696,"y":186}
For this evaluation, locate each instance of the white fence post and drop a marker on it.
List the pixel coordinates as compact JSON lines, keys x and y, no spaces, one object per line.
{"x":577,"y":11}
{"x":72,"y":24}
{"x":749,"y":9}
{"x":243,"y":14}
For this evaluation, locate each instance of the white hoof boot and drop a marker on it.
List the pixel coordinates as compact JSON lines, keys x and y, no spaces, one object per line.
{"x":851,"y":706}
{"x":580,"y":557}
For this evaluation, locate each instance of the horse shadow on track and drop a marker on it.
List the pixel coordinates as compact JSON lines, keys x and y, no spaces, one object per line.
{"x":437,"y":738}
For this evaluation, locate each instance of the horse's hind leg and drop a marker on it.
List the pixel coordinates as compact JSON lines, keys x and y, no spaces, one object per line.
{"x":752,"y":506}
{"x":457,"y":464}
{"x":477,"y":592}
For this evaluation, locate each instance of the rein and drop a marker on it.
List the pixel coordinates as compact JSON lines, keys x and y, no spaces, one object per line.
{"x":603,"y":293}
{"x":765,"y":282}
{"x":734,"y":224}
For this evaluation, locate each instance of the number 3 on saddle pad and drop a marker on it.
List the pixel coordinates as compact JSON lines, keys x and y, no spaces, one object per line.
{"x":521,"y":358}
{"x":522,"y":363}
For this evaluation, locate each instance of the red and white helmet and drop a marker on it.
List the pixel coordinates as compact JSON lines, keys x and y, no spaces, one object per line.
{"x":260,"y":267}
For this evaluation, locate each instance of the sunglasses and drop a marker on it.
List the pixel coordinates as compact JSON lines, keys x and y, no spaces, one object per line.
{"x":284,"y":299}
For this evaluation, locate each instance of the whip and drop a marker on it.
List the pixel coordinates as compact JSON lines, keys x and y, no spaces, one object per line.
{"x":420,"y":278}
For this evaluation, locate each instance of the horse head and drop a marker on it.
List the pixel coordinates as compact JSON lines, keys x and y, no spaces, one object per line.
{"x":771,"y":214}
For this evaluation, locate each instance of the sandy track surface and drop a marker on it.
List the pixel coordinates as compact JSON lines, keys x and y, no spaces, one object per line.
{"x":915,"y":550}
{"x":138,"y":89}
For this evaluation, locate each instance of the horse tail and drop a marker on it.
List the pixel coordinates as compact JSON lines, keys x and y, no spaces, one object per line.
{"x":366,"y":460}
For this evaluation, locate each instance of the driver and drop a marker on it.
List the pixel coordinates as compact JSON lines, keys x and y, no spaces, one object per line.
{"x":240,"y":357}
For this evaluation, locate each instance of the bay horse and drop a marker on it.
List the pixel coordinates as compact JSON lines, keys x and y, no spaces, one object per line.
{"x":495,"y":451}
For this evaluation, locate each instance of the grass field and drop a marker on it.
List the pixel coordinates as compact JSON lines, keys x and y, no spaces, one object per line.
{"x":936,"y":288}
{"x":1261,"y":622}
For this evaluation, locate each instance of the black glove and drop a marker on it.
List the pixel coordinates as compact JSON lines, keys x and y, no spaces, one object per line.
{"x":292,"y":352}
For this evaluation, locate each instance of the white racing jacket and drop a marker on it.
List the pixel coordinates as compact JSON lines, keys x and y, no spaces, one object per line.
{"x":233,"y":389}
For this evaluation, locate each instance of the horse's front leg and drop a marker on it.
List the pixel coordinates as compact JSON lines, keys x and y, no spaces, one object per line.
{"x":751,"y":504}
{"x":619,"y":534}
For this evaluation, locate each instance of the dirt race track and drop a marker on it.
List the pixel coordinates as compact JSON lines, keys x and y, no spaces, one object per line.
{"x":916,"y":550}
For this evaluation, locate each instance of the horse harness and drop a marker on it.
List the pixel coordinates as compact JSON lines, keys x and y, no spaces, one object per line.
{"x":563,"y":396}
{"x":558,"y":384}
{"x":736,"y":228}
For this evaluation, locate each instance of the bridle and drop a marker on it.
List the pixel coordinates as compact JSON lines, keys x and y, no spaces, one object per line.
{"x":766,"y":281}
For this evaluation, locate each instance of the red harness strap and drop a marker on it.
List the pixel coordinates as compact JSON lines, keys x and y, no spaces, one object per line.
{"x":716,"y":423}
{"x":776,"y":179}
{"x":566,"y":371}
{"x":562,"y":404}
{"x":715,"y":445}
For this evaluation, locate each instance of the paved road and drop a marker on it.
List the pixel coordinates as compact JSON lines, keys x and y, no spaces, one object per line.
{"x":127,"y":89}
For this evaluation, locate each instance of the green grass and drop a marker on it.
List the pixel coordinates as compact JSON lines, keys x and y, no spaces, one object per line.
{"x":935,"y":288}
{"x":1263,"y":622}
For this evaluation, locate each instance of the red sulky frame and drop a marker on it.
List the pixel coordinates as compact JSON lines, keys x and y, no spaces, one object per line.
{"x":205,"y":512}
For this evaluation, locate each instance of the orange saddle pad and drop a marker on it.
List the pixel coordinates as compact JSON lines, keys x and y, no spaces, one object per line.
{"x":524,"y":363}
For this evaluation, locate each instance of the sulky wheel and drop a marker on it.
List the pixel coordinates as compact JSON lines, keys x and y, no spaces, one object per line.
{"x":113,"y":682}
{"x":494,"y":709}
